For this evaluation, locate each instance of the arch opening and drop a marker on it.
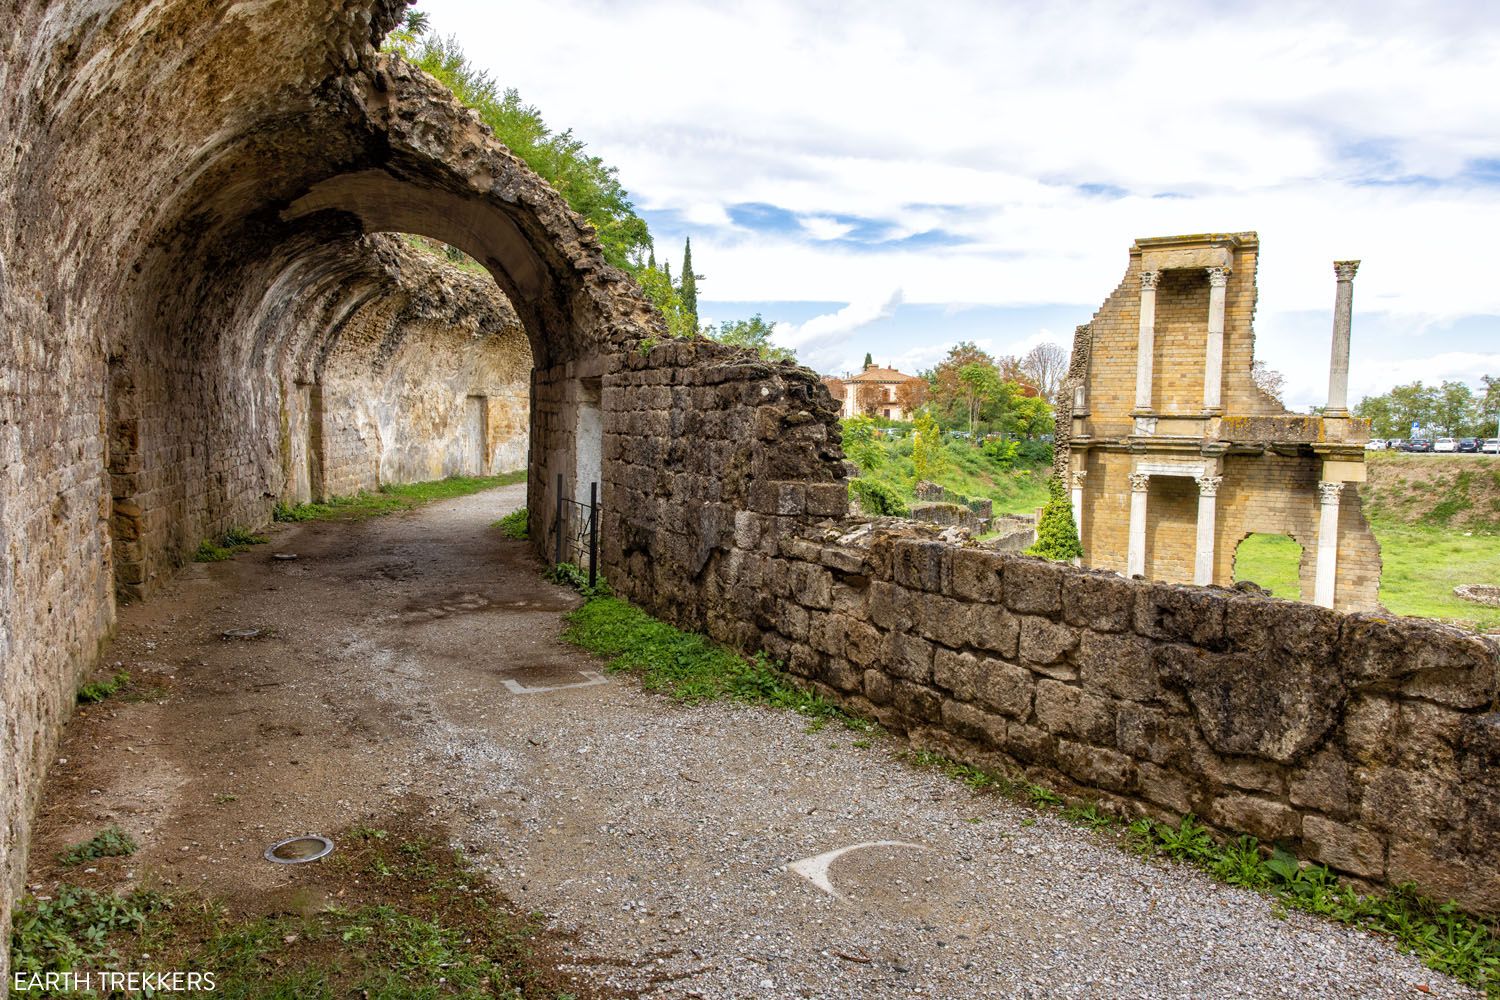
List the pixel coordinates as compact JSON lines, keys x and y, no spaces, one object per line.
{"x":1274,"y":562}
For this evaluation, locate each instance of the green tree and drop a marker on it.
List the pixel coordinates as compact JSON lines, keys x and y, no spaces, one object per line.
{"x":1455,"y":410}
{"x":869,"y":361}
{"x":754,"y":333}
{"x":1377,"y":410}
{"x":980,"y":384}
{"x":657,"y":287}
{"x":1056,"y":534}
{"x":689,"y":287}
{"x":927,"y":457}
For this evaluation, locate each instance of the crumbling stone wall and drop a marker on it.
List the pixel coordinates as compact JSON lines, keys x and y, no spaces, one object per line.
{"x":1364,"y":742}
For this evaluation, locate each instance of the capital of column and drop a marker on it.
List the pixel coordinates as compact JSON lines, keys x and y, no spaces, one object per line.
{"x":1208,"y":486}
{"x":1218,"y":277}
{"x":1149,"y":280}
{"x":1078,"y":477}
{"x":1140,"y":482}
{"x":1344,"y":270}
{"x":1329,"y":493}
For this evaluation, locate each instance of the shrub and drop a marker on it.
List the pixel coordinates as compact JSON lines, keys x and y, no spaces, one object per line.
{"x":877,"y":499}
{"x":1056,"y":535}
{"x":513,"y":525}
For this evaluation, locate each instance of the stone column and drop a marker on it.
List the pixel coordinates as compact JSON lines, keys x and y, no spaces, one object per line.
{"x":1146,"y":342}
{"x":1078,"y":477}
{"x":1213,"y":362}
{"x":1328,"y":543}
{"x":1135,"y":560}
{"x":1343,"y":312}
{"x":1203,"y":554}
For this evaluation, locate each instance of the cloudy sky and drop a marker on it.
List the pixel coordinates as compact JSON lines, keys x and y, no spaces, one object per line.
{"x":895,"y":177}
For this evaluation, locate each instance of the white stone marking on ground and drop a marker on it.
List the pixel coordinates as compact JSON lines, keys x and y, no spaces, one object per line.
{"x":594,"y":677}
{"x":815,"y":869}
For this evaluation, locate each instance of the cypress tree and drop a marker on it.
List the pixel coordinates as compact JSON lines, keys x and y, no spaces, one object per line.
{"x":869,"y":361}
{"x":651,"y":259}
{"x":689,"y":284}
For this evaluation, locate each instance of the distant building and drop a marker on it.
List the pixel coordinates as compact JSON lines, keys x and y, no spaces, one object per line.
{"x":874,"y":391}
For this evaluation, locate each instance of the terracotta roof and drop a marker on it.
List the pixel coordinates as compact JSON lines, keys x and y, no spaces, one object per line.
{"x":881,"y":375}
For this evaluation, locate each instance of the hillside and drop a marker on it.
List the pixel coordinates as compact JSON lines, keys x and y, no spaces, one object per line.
{"x":1442,"y":491}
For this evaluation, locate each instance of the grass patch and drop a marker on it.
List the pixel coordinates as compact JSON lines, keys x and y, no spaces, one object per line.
{"x":1422,"y":565}
{"x":232,"y":542}
{"x":1272,"y":561}
{"x":690,"y":668}
{"x":412,"y":921}
{"x":111,"y":842}
{"x":97,"y":691}
{"x":392,"y":498}
{"x":513,"y":525}
{"x":1446,"y":939}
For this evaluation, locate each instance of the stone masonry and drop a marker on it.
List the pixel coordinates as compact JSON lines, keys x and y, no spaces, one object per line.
{"x":1173,"y":453}
{"x":1361,"y":741}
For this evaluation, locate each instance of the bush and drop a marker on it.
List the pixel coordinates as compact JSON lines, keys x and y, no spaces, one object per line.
{"x":877,"y":499}
{"x":1056,"y":535}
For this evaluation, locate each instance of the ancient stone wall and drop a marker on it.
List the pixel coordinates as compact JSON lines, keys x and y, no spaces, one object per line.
{"x":188,"y":190}
{"x":1364,"y":742}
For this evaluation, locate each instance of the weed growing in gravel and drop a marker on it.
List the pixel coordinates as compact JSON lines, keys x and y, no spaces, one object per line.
{"x":1088,"y":815}
{"x":96,"y":691}
{"x":111,"y":842}
{"x":1448,"y":940}
{"x":393,"y":497}
{"x":967,"y":773}
{"x":233,"y":541}
{"x":689,"y":667}
{"x":412,"y":921}
{"x":513,"y":525}
{"x":568,"y":575}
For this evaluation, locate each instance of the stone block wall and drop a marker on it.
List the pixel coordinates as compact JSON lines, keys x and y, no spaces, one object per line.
{"x":1364,"y":742}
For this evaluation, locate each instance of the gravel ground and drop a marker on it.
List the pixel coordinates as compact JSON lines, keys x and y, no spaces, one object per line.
{"x":660,"y":834}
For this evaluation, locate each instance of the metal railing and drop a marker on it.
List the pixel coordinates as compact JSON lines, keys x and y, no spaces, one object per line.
{"x":576,"y":526}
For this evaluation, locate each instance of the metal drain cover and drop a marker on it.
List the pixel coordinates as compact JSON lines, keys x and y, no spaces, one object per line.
{"x":241,"y":633}
{"x":299,"y":850}
{"x":284,"y":556}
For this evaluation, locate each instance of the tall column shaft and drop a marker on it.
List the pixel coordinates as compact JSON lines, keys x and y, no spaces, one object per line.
{"x":1343,"y":318}
{"x":1078,"y":478}
{"x":1146,"y":341}
{"x":1328,"y":543}
{"x":1203,"y":554}
{"x":1213,"y":362}
{"x":1135,"y":559}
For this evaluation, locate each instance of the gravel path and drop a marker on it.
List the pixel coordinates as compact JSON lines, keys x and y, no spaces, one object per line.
{"x":660,"y":834}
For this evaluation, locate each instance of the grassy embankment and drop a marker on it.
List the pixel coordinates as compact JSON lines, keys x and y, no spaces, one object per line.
{"x":1018,"y":489}
{"x":1437,"y":518}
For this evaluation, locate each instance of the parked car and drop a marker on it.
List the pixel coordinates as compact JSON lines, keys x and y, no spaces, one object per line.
{"x":1468,"y":445}
{"x":1446,"y":444}
{"x":1491,"y":447}
{"x":1376,"y":444}
{"x":1417,"y":444}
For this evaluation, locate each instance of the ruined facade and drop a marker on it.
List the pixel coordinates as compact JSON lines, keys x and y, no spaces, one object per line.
{"x":196,"y":322}
{"x":1173,"y":453}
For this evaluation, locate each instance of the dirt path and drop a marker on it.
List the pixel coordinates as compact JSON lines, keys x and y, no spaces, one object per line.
{"x":415,"y":658}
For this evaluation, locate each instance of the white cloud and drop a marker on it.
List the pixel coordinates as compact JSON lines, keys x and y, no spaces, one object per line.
{"x":989,"y":122}
{"x":836,"y":325}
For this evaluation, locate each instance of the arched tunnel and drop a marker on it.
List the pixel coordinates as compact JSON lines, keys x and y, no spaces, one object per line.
{"x":207,"y":312}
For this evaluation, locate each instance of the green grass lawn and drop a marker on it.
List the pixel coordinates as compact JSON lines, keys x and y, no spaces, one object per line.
{"x":1272,"y":562}
{"x":391,"y":498}
{"x":1422,"y":565}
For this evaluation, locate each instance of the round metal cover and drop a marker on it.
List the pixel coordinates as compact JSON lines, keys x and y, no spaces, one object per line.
{"x":299,"y":850}
{"x":241,"y":633}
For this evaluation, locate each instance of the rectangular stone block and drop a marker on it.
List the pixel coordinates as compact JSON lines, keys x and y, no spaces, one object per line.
{"x":1118,"y":665}
{"x":1098,"y":602}
{"x":907,"y":656}
{"x":1193,"y":615}
{"x":978,"y":575}
{"x":917,"y":701}
{"x":1044,"y":642}
{"x":973,"y":723}
{"x":944,"y":620}
{"x":1263,"y":818}
{"x":995,"y":630}
{"x":1067,"y":711}
{"x":1033,"y":586}
{"x":918,"y":564}
{"x":1345,"y":848}
{"x":1094,"y":766}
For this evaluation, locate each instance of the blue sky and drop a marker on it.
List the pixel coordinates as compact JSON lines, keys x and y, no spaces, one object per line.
{"x":894,"y":177}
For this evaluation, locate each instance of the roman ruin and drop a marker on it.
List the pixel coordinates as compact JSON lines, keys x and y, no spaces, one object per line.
{"x":1174,"y":455}
{"x":204,"y":314}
